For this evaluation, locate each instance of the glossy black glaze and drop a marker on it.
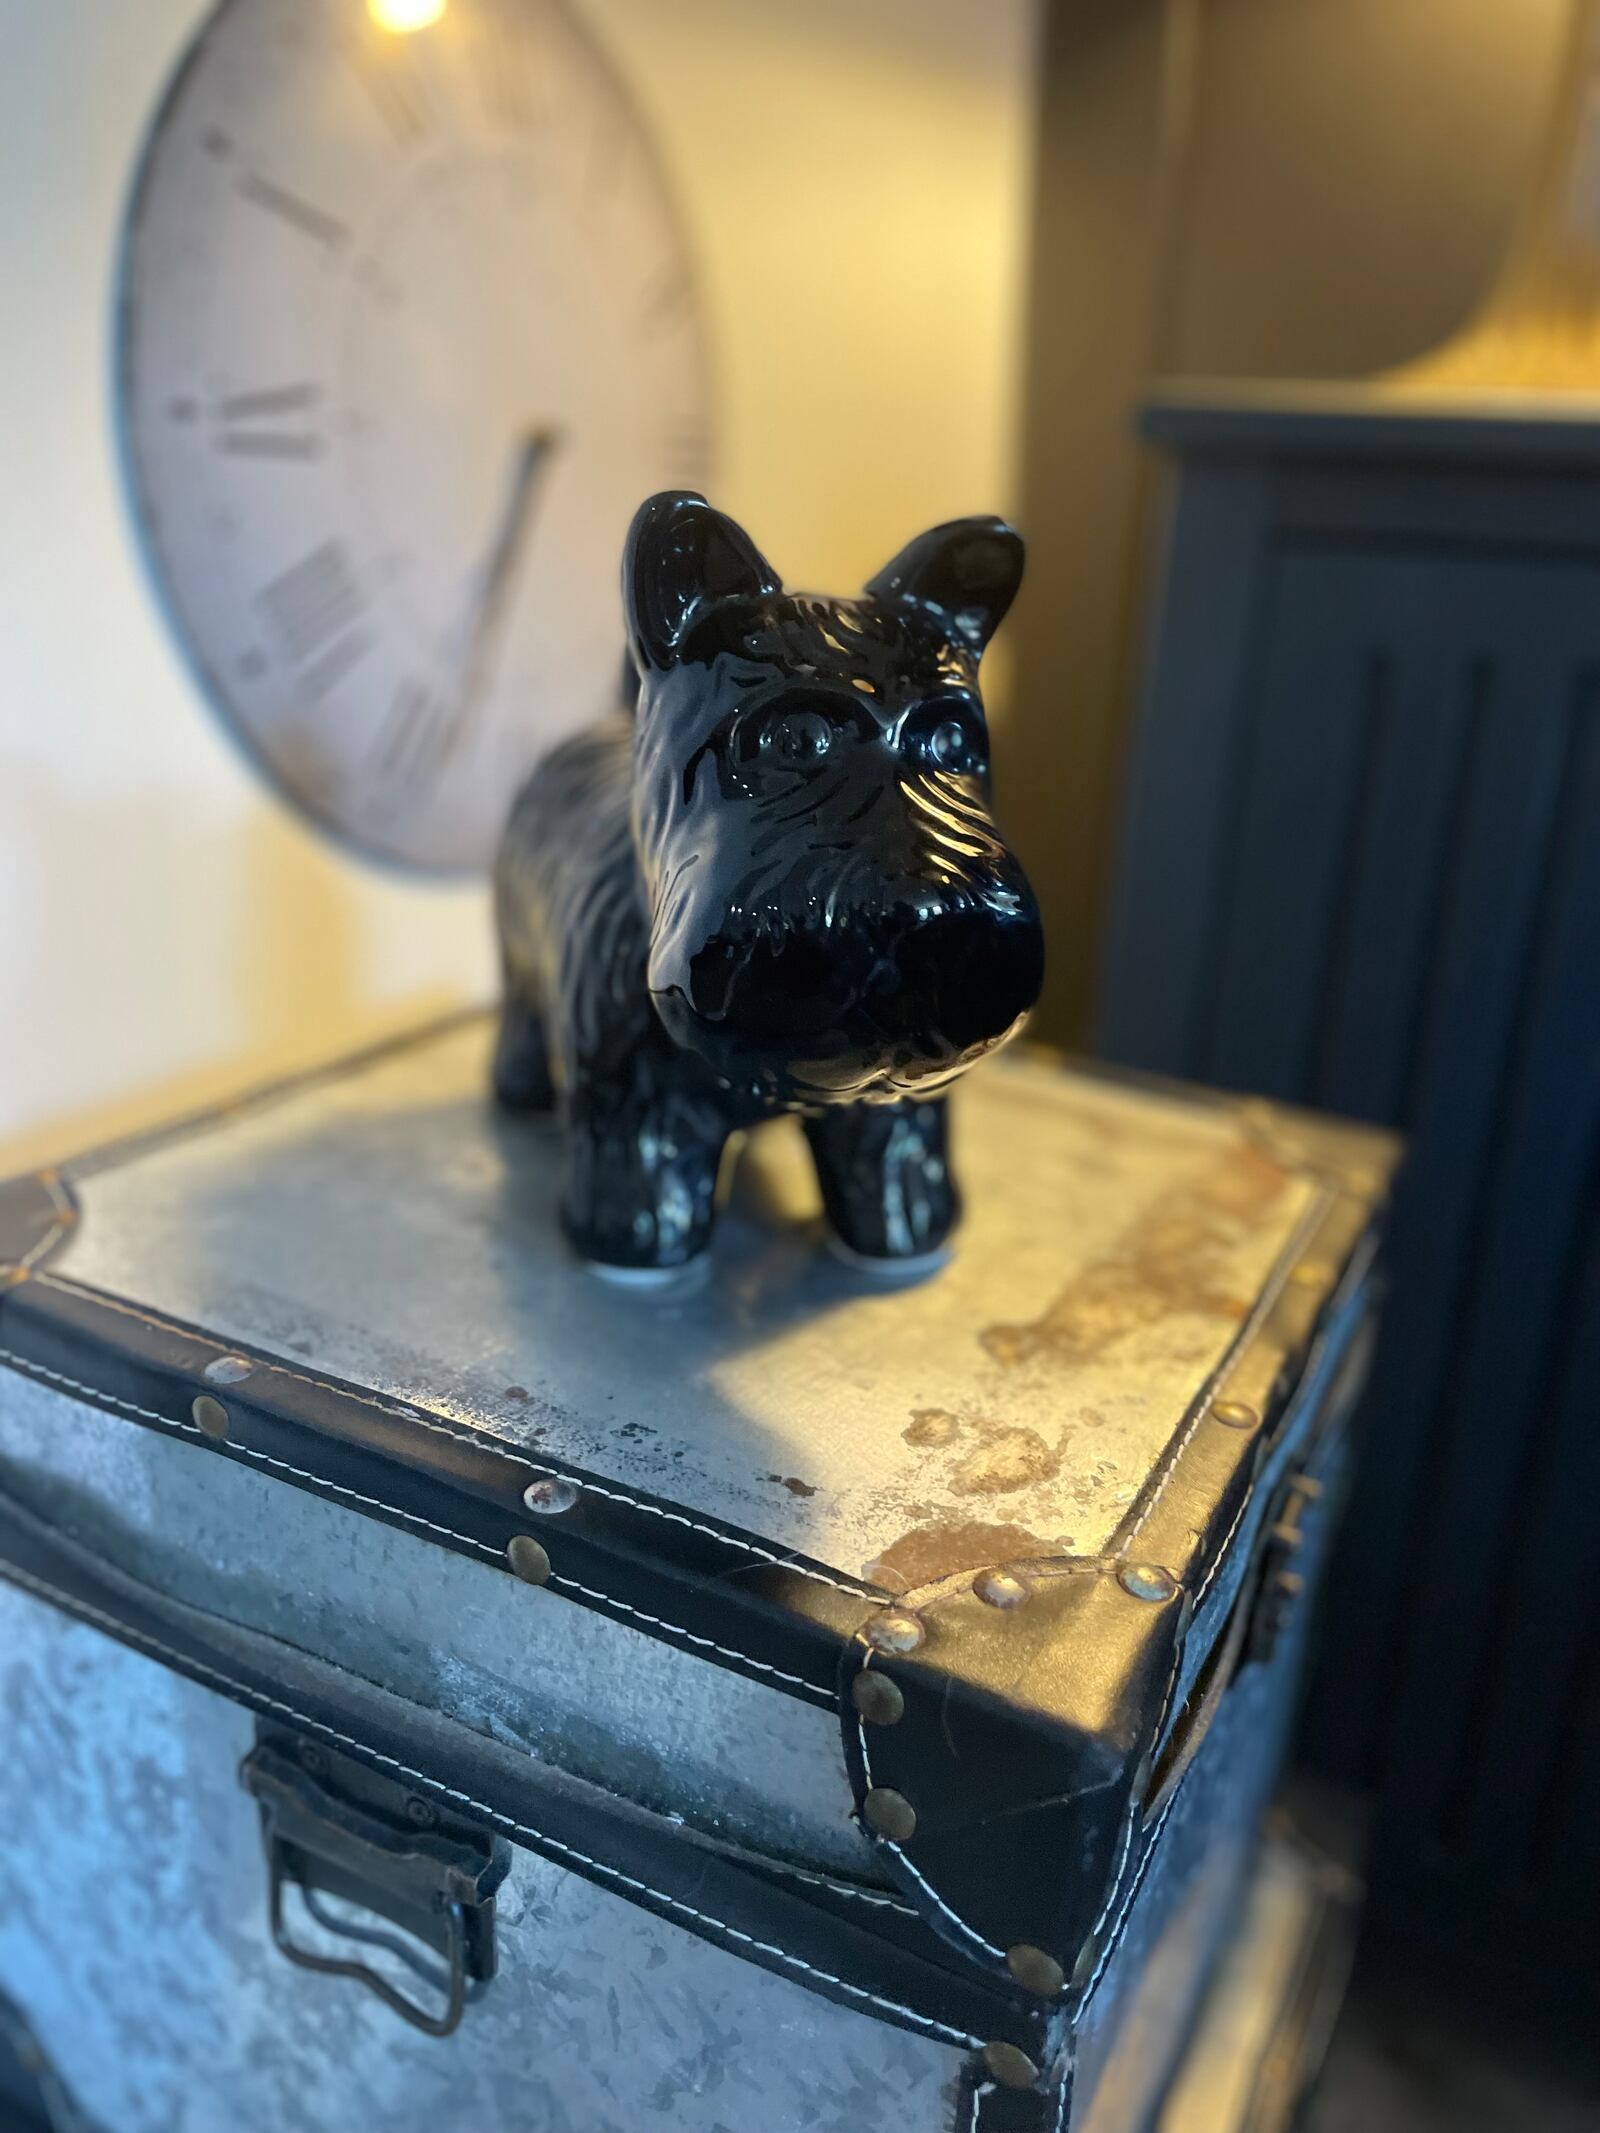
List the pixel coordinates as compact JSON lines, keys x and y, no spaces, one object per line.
{"x":778,"y":887}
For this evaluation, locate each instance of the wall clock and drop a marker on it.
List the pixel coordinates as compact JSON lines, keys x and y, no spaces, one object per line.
{"x":407,"y":326}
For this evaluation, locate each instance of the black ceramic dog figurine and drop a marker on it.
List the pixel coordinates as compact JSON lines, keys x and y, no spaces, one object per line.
{"x":777,"y":887}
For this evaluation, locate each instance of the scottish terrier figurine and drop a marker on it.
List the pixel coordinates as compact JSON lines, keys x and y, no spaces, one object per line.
{"x":777,"y":887}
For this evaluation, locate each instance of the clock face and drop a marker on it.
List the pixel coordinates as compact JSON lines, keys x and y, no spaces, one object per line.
{"x":408,"y":329}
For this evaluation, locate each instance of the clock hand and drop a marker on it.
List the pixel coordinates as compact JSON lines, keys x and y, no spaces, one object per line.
{"x":499,"y":566}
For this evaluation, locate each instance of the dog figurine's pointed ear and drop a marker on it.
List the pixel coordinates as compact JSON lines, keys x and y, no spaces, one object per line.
{"x":682,"y":556}
{"x":966,"y":573}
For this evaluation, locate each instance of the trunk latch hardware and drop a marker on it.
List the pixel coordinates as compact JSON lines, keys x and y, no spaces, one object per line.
{"x":1281,"y":1582}
{"x":340,"y":1831}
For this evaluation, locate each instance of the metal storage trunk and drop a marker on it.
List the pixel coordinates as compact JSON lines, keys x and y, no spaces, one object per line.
{"x":782,"y":1701}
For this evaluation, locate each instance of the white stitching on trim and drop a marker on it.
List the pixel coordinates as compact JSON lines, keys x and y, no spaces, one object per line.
{"x":247,"y":1452}
{"x":102,"y":1299}
{"x":1116,"y":1876}
{"x":680,"y":1518}
{"x":842,"y":1888}
{"x":149,"y":1414}
{"x":837,"y":1884}
{"x":917,"y":1876}
{"x":986,"y":2089}
{"x":1291,"y":1252}
{"x":954,"y":1917}
{"x":197,"y":1669}
{"x":1113,"y":1938}
{"x":710,"y":1643}
{"x":1223,"y":1546}
{"x":479,"y":1440}
{"x":1314,"y":1361}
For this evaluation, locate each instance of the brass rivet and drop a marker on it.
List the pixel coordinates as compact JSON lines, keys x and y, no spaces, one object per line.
{"x":227,"y":1370}
{"x":890,"y":1813}
{"x":11,"y":1275}
{"x":877,"y":1698}
{"x":210,"y":1416}
{"x":1011,"y":2067}
{"x":1035,"y":1971}
{"x":1234,"y":1414}
{"x":528,"y":1559}
{"x":894,"y":1629}
{"x":551,"y":1494}
{"x":1312,"y":1274}
{"x":1001,"y":1588}
{"x":1147,"y":1581}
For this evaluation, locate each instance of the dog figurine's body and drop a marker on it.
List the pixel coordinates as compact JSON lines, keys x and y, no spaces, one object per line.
{"x":777,"y":887}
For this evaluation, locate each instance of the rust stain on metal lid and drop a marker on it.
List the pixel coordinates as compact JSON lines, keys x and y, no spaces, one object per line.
{"x":938,"y":1551}
{"x":1006,"y":1457}
{"x":932,"y":1426}
{"x":1172,"y":1260}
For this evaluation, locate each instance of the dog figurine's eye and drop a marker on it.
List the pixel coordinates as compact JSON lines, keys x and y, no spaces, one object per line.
{"x":951,"y":747}
{"x":796,"y":738}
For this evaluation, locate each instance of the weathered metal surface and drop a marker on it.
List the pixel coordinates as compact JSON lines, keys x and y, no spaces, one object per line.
{"x":133,"y":1934}
{"x":575,"y":1689}
{"x":1013,"y":1406}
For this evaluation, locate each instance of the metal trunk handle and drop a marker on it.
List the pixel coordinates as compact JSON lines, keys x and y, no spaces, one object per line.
{"x":336,"y":1829}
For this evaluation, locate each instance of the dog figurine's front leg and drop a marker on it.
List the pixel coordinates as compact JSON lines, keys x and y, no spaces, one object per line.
{"x":642,"y":1154}
{"x":884,"y":1170}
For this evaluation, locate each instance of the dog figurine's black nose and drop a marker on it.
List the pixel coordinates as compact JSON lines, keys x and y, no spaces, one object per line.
{"x":902,"y":1003}
{"x":967,"y":977}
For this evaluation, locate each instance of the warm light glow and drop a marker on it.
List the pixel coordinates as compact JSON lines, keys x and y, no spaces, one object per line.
{"x":405,"y":14}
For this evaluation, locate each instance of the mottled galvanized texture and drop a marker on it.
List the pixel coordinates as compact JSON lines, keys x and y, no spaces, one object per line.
{"x":575,"y":1689}
{"x":133,"y":1935}
{"x":1012,"y":1406}
{"x":132,"y":1932}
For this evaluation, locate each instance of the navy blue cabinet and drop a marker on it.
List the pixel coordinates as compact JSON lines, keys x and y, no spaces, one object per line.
{"x":1360,"y":868}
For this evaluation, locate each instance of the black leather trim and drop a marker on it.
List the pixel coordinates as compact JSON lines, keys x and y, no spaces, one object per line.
{"x":722,"y":1595}
{"x":874,"y":1959}
{"x":1025,"y":1737}
{"x":1031,"y":1731}
{"x":985,"y":2106}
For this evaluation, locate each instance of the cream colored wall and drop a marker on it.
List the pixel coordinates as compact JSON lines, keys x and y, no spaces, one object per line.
{"x":856,"y":178}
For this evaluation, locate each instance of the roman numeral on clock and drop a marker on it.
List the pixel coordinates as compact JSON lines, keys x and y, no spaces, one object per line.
{"x":269,"y":424}
{"x":412,"y":746}
{"x":289,"y":208}
{"x":314,"y":603}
